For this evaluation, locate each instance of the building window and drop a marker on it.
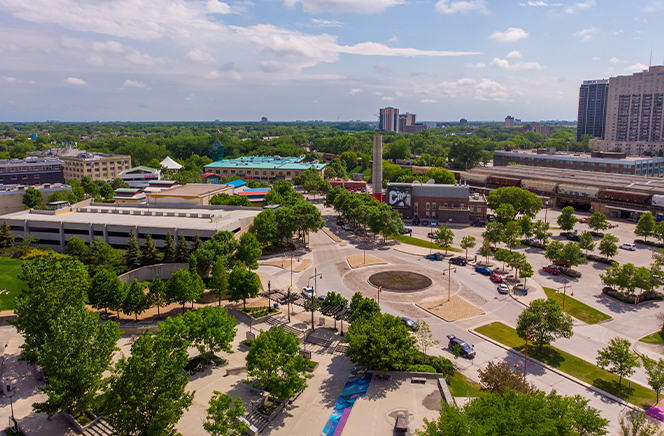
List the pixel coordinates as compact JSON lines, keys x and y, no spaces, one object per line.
{"x":433,"y":206}
{"x":265,"y":173}
{"x":36,"y":176}
{"x":416,"y":207}
{"x":232,"y":171}
{"x":13,"y":177}
{"x":428,"y":205}
{"x":272,"y":173}
{"x":288,"y":173}
{"x":25,"y":177}
{"x":471,"y":208}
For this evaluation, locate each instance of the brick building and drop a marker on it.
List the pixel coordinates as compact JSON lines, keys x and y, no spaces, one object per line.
{"x":31,"y":171}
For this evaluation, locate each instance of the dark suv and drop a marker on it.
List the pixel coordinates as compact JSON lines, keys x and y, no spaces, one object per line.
{"x":416,"y":221}
{"x":461,"y":261}
{"x":573,"y":237}
{"x":466,"y":350}
{"x":478,"y":223}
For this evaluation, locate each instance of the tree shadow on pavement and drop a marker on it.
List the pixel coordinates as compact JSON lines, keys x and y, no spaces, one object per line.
{"x":336,"y":375}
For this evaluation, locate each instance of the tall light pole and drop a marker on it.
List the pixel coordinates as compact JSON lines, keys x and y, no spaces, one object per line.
{"x":11,"y":403}
{"x":313,"y":292}
{"x":546,"y":209}
{"x":564,"y":287}
{"x":269,"y":300}
{"x":449,"y":278}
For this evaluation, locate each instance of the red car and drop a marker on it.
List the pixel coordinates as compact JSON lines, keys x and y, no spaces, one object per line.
{"x":431,"y":235}
{"x":583,"y":220}
{"x":496,"y":278}
{"x":552,"y":270}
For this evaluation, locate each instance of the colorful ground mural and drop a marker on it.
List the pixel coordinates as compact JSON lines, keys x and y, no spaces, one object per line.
{"x":356,"y":387}
{"x":657,"y":411}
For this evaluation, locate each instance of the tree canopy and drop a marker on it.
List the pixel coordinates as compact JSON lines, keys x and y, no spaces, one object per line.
{"x":524,"y":202}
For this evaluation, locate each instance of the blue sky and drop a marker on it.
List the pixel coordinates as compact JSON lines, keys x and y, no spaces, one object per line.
{"x":314,"y":59}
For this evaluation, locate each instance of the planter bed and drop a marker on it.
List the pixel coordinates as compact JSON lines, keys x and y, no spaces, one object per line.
{"x":629,"y":299}
{"x":651,"y":243}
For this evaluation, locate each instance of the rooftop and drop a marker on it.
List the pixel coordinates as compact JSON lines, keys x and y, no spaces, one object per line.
{"x":608,"y":157}
{"x":266,"y":162}
{"x":191,"y":190}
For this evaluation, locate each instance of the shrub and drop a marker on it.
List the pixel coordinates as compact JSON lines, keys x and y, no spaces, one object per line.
{"x":421,"y":368}
{"x":651,"y":243}
{"x":442,"y":366}
{"x":645,"y":296}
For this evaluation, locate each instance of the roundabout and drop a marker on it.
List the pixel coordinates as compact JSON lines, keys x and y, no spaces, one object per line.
{"x":400,"y":281}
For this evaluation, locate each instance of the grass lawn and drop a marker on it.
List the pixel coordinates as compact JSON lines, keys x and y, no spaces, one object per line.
{"x":655,"y":338}
{"x":422,"y":243}
{"x":572,"y":365}
{"x":576,"y":308}
{"x":9,"y":270}
{"x":460,"y":386}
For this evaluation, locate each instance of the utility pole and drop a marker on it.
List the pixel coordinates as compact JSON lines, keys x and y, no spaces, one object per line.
{"x":449,"y":278}
{"x":564,"y":287}
{"x":313,"y":292}
{"x":269,"y":300}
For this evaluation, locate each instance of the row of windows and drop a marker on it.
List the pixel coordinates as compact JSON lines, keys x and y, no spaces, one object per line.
{"x":256,"y":173}
{"x":15,"y":178}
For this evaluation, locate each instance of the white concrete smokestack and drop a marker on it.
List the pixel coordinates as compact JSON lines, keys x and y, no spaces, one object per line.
{"x":377,"y":171}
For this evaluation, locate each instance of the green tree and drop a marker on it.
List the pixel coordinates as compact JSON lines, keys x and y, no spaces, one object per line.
{"x":505,"y":213}
{"x":541,"y":231}
{"x":274,"y":361}
{"x":546,"y":320}
{"x":135,"y":301}
{"x":197,"y":244}
{"x":608,"y":246}
{"x":222,"y":416}
{"x":513,"y":414}
{"x":149,"y":251}
{"x":654,"y":372}
{"x":181,"y":249}
{"x":157,"y":294}
{"x":249,"y":251}
{"x":53,"y":284}
{"x":32,"y":199}
{"x":467,"y":242}
{"x":523,"y":201}
{"x":133,"y":255}
{"x":618,"y":358}
{"x":567,"y":219}
{"x":6,"y":237}
{"x":499,"y":378}
{"x":586,"y":242}
{"x":76,"y":248}
{"x":380,"y":342}
{"x":146,"y":392}
{"x":512,"y":235}
{"x":362,"y":307}
{"x":638,"y":424}
{"x":526,"y":224}
{"x":503,"y":255}
{"x":75,"y":355}
{"x":494,"y":232}
{"x":265,"y":227}
{"x":622,"y":277}
{"x":440,"y":175}
{"x":211,"y":329}
{"x":243,"y":284}
{"x":105,"y":289}
{"x":424,"y":336}
{"x":646,"y":225}
{"x":219,"y":279}
{"x":223,"y":198}
{"x":183,"y":287}
{"x":169,"y":249}
{"x":335,"y":300}
{"x":444,"y":237}
{"x":597,"y":222}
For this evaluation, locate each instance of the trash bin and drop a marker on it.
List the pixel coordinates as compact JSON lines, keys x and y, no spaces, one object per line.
{"x":276,"y":305}
{"x":525,"y":291}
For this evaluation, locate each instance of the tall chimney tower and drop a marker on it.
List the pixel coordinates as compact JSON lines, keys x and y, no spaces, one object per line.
{"x":377,"y":171}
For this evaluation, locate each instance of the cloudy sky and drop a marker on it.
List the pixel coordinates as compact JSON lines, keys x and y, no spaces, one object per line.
{"x":315,"y":59}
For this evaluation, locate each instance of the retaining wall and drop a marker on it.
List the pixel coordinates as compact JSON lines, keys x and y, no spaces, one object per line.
{"x":145,"y":273}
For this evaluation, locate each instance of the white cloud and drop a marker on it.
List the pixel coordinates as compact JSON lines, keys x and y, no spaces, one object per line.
{"x":510,"y":35}
{"x":595,"y":59}
{"x":355,"y":91}
{"x":636,"y":68}
{"x":138,"y":58}
{"x":382,"y":67}
{"x":618,"y":32}
{"x":270,"y":66}
{"x":388,"y":98}
{"x":133,"y":84}
{"x":96,"y":60}
{"x":199,"y":56}
{"x":504,"y":64}
{"x":378,"y":93}
{"x":8,"y":79}
{"x":586,"y":34}
{"x":109,"y":46}
{"x":614,"y":60}
{"x":654,"y":5}
{"x":540,"y":3}
{"x":428,"y":100}
{"x":360,"y":7}
{"x":317,"y":22}
{"x":393,"y":39}
{"x":580,"y":6}
{"x":454,"y":6}
{"x":75,"y":81}
{"x":480,"y":65}
{"x":217,"y":7}
{"x":513,"y":54}
{"x":489,"y":90}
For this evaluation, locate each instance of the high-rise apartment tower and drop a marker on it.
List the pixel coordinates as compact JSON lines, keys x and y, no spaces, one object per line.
{"x":593,"y":99}
{"x":389,"y":120}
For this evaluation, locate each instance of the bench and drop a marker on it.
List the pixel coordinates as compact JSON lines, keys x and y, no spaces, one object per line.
{"x":420,"y":380}
{"x":401,"y":426}
{"x":383,"y":377}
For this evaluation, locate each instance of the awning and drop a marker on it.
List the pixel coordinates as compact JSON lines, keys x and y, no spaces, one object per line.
{"x":626,"y":209}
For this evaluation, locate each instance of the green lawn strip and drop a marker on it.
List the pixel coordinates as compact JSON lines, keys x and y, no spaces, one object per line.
{"x":461,"y":386}
{"x":576,"y":308}
{"x":422,"y":243}
{"x":655,"y":338}
{"x":572,"y":365}
{"x":9,"y":271}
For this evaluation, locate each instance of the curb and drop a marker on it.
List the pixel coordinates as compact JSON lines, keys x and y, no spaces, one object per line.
{"x":560,"y":373}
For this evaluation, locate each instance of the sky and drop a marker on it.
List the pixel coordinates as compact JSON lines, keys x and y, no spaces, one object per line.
{"x":168,"y":60}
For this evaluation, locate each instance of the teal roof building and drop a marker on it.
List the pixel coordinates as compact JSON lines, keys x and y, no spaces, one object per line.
{"x":263,"y":168}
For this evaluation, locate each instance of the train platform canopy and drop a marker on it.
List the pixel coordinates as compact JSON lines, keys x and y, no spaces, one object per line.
{"x":626,"y":209}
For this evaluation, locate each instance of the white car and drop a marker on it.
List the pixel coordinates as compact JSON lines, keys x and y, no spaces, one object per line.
{"x":503,"y":288}
{"x":308,"y":291}
{"x":628,"y":246}
{"x":345,"y":227}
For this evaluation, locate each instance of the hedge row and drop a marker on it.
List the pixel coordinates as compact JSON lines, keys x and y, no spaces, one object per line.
{"x":651,"y":243}
{"x":641,"y":298}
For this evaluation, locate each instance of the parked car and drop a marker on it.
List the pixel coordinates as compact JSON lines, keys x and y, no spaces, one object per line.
{"x":559,"y":263}
{"x":425,"y":223}
{"x":431,"y":235}
{"x":461,"y":261}
{"x":466,"y":350}
{"x":583,"y":220}
{"x":416,"y":221}
{"x":406,"y":230}
{"x":321,"y":298}
{"x":345,"y":227}
{"x":503,"y":288}
{"x":491,"y":218}
{"x":628,"y":246}
{"x":435,"y":256}
{"x":308,"y":291}
{"x":410,"y":323}
{"x":496,"y":278}
{"x":552,"y":269}
{"x":483,"y":270}
{"x":573,"y":237}
{"x":433,"y":223}
{"x":340,"y":222}
{"x":478,"y":223}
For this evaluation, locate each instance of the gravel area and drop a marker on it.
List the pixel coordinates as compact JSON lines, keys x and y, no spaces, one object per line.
{"x":358,"y":260}
{"x":334,"y":237}
{"x":286,"y":263}
{"x":454,"y":309}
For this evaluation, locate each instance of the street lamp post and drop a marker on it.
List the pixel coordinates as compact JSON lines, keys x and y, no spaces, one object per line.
{"x":269,"y":300}
{"x":449,"y":277}
{"x":564,"y":287}
{"x":11,"y":403}
{"x":313,"y":292}
{"x":546,"y":209}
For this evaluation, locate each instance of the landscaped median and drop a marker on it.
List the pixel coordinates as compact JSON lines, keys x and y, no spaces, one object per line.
{"x":422,"y":243}
{"x":656,"y":338}
{"x":572,"y":365}
{"x":577,"y":309}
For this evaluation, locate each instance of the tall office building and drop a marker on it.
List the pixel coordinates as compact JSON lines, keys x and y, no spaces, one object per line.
{"x":635,"y":113}
{"x":509,"y":122}
{"x":406,"y":119}
{"x":593,"y":99}
{"x":389,"y":120}
{"x":377,"y":170}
